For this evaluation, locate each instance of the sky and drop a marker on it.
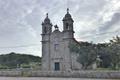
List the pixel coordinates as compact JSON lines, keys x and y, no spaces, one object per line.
{"x":20,"y":22}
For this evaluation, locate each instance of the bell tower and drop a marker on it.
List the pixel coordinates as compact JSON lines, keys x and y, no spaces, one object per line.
{"x":68,"y":25}
{"x":68,"y":36}
{"x":46,"y":26}
{"x":46,"y":32}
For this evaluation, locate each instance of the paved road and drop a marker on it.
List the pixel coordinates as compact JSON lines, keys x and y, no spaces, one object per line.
{"x":40,"y":78}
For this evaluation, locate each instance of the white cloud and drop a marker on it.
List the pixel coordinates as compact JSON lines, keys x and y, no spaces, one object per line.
{"x":21,"y":21}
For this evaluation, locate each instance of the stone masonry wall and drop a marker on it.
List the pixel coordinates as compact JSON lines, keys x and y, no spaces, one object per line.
{"x":75,"y":74}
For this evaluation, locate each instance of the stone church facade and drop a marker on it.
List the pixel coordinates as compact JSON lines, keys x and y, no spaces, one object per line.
{"x":56,"y":55}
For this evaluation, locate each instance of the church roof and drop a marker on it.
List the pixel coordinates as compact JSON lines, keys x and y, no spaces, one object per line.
{"x":56,"y":31}
{"x":67,"y":16}
{"x":47,"y":20}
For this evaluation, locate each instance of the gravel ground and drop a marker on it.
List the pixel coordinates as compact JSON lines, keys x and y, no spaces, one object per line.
{"x":41,"y":78}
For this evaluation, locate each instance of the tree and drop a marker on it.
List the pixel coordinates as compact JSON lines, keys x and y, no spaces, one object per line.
{"x":14,"y":60}
{"x":86,"y":53}
{"x":104,"y":56}
{"x":109,"y":53}
{"x":114,"y":50}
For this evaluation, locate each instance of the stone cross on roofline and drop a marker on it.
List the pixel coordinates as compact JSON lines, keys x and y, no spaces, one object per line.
{"x":56,"y":27}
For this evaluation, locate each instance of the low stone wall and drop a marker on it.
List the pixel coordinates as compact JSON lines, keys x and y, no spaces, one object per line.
{"x":74,"y":74}
{"x":12,"y":73}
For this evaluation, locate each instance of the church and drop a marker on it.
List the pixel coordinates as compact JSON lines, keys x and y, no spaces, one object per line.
{"x":56,"y":55}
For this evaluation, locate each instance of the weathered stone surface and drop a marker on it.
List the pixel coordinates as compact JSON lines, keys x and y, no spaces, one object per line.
{"x":55,"y":46}
{"x":74,"y":74}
